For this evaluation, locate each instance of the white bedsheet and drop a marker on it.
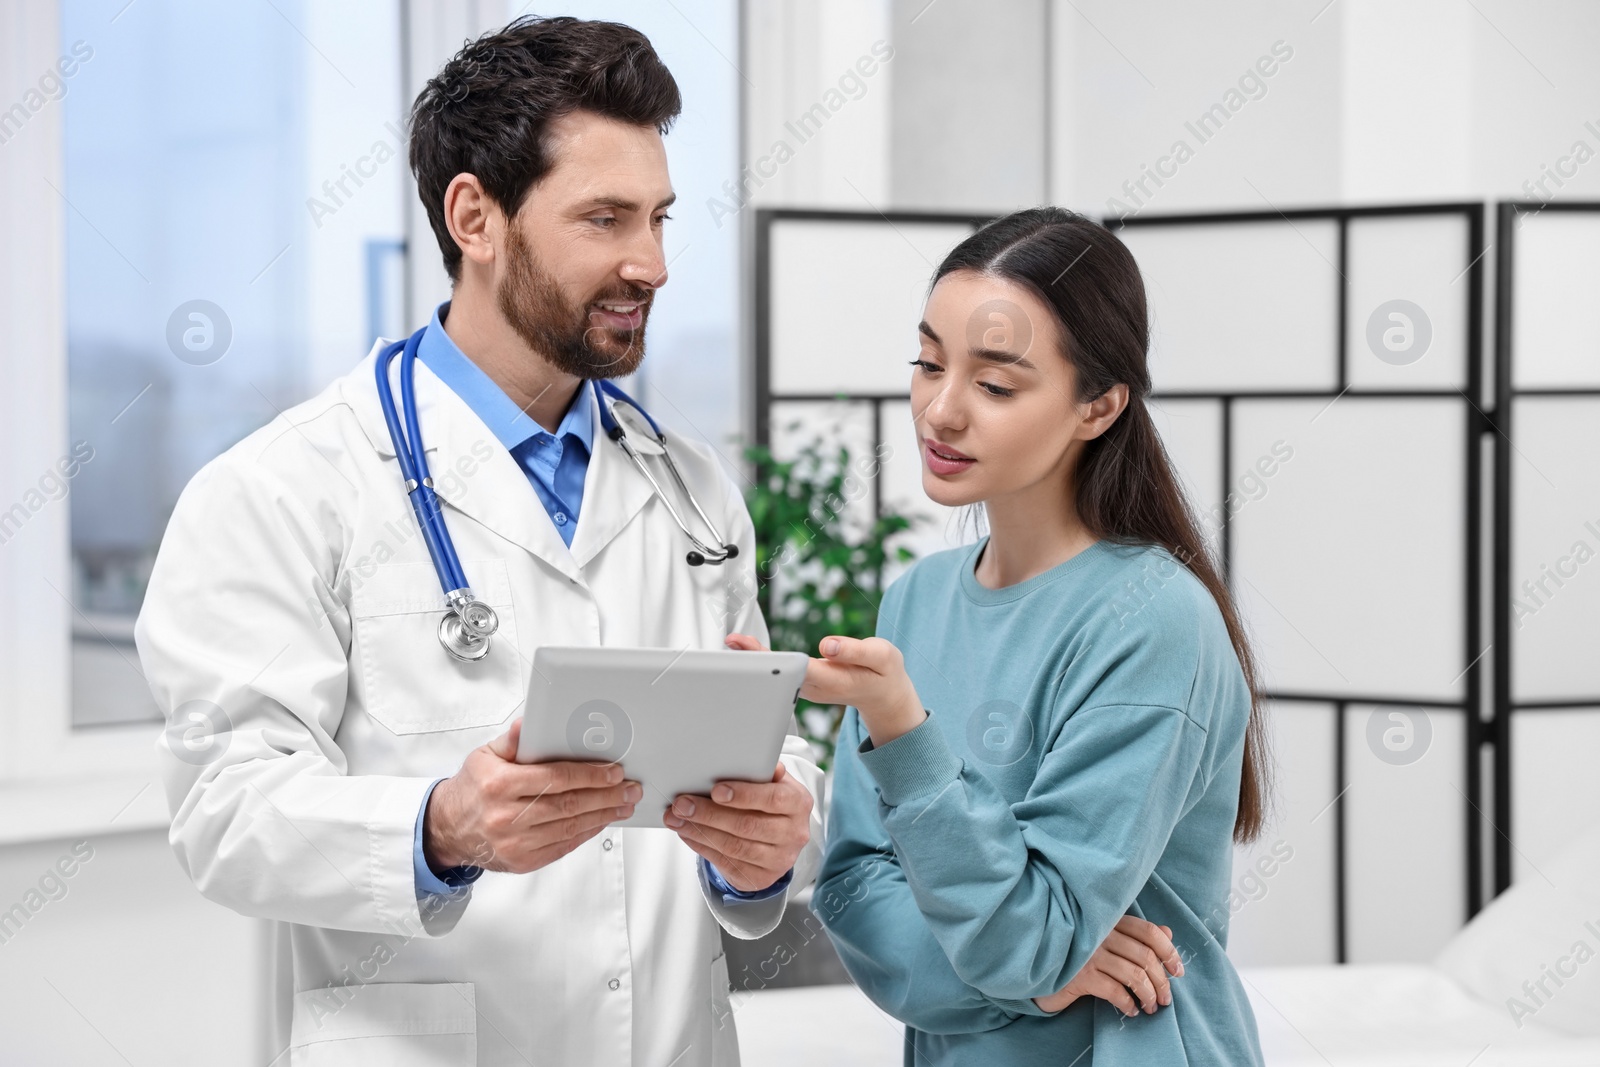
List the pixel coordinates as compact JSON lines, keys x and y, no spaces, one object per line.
{"x":1373,"y":1015}
{"x":815,"y":1026}
{"x":1395,"y":1015}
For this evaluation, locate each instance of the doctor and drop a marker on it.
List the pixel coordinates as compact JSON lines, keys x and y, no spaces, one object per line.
{"x":332,"y":769}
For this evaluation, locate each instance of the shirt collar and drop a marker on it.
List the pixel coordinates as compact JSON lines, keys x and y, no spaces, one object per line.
{"x":510,"y":424}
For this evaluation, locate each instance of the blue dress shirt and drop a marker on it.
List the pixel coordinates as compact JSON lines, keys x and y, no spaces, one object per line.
{"x":731,"y":895}
{"x":556,"y":465}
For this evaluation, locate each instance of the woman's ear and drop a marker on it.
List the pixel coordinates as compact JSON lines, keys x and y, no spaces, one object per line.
{"x":1104,"y":410}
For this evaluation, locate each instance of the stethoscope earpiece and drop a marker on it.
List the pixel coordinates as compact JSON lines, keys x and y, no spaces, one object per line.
{"x":621,"y":426}
{"x":728,"y":552}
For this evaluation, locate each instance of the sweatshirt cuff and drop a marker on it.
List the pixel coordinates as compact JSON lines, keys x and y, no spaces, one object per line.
{"x":914,"y":764}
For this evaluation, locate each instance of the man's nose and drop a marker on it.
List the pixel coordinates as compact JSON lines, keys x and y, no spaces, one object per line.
{"x":645,"y":265}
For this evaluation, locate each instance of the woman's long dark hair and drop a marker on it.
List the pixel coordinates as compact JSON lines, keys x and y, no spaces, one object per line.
{"x":1127,"y":492}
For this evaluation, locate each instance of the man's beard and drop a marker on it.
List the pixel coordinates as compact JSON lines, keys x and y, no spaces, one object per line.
{"x":531,"y":301}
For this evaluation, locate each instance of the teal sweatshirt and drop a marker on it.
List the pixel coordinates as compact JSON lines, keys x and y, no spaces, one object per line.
{"x":1080,"y":761}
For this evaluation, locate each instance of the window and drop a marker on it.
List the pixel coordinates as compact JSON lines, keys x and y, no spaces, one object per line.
{"x":235,"y":181}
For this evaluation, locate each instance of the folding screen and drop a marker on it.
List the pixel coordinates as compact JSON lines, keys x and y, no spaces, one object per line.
{"x":1547,"y":574}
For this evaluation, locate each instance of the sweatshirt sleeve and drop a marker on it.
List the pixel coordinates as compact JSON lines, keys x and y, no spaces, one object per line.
{"x":1034,"y":889}
{"x":864,"y":899}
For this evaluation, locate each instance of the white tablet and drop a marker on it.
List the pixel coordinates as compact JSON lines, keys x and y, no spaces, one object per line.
{"x":677,"y":721}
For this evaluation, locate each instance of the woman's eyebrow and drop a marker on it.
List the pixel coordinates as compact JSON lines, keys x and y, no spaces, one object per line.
{"x":990,"y":355}
{"x":1005,"y":359}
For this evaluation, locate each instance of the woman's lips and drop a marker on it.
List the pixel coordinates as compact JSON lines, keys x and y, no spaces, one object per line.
{"x":942,"y":459}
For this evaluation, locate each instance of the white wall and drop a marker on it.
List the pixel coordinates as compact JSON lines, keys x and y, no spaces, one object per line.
{"x":122,"y":962}
{"x":1126,"y":96}
{"x":971,"y":117}
{"x":1427,"y":100}
{"x":796,"y":52}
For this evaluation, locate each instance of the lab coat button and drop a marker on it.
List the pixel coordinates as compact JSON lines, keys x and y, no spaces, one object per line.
{"x":614,"y":984}
{"x":606,"y":844}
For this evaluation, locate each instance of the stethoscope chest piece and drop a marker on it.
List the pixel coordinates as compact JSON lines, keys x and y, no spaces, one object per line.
{"x":466,"y":628}
{"x":461,"y":640}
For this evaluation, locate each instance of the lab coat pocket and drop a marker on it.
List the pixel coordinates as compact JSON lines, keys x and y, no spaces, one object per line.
{"x":410,"y":683}
{"x":392,"y":1024}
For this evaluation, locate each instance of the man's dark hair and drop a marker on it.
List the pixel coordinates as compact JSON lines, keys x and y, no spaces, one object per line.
{"x":487,"y":112}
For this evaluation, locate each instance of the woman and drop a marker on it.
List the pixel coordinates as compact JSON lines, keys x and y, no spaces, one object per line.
{"x":1059,"y":724}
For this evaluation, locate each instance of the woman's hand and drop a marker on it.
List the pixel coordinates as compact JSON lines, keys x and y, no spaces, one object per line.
{"x":869,"y":675}
{"x":1137,"y":956}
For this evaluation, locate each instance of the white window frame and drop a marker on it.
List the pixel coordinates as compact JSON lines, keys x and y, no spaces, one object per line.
{"x":54,"y":780}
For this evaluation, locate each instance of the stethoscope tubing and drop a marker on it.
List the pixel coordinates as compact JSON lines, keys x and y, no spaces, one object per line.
{"x":419,"y":459}
{"x":414,"y":464}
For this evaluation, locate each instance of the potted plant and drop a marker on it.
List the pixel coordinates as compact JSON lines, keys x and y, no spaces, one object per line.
{"x":819,"y":571}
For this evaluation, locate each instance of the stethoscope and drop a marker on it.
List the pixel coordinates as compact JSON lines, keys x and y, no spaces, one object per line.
{"x":469,"y":623}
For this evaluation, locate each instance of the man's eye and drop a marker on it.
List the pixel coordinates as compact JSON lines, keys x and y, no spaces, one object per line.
{"x":603,"y":221}
{"x":662,"y":218}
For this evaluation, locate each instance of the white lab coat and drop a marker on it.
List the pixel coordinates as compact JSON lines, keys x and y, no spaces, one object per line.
{"x":293,"y":590}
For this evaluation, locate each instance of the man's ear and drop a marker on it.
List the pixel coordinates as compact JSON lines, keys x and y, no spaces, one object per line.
{"x":1104,"y":410}
{"x":475,"y":220}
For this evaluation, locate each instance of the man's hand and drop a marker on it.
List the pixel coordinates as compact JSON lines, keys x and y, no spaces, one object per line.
{"x":502,"y":815}
{"x":750,"y":831}
{"x":1135,"y":956}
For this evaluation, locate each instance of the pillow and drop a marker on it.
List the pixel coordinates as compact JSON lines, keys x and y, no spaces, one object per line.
{"x":1535,"y":950}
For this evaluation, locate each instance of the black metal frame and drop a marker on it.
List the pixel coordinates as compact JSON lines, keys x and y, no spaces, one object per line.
{"x":1505,"y":394}
{"x":1477,"y":424}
